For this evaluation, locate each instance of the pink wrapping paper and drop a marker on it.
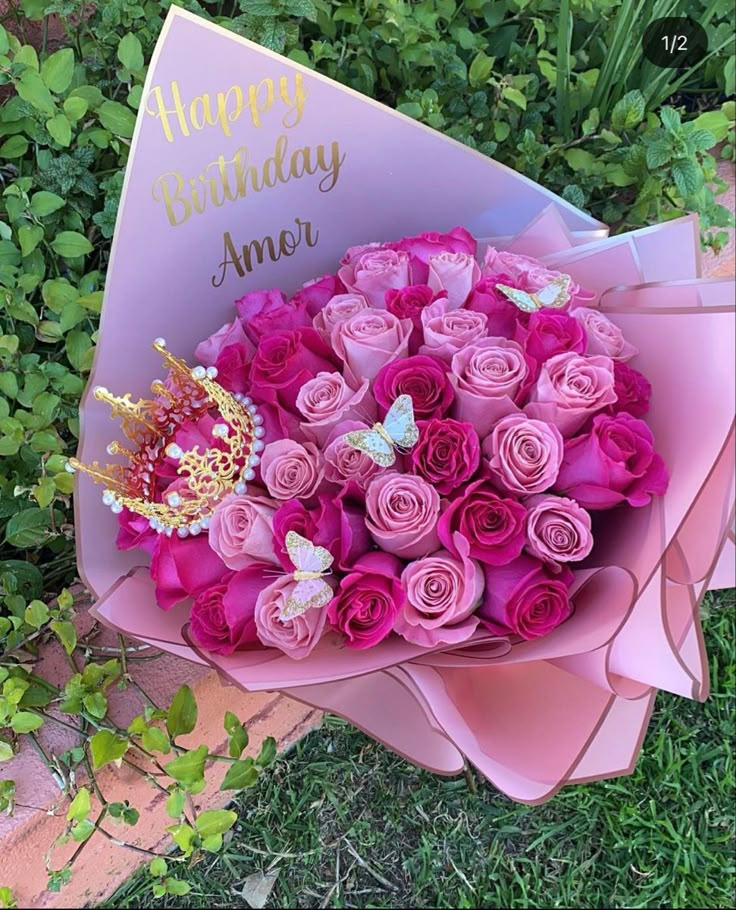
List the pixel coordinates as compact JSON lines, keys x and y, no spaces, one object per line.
{"x":570,"y":707}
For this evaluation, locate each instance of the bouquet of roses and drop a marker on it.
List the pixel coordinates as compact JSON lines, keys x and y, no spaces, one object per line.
{"x":433,"y":439}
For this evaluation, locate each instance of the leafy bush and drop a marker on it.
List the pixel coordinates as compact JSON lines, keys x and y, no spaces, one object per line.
{"x":558,"y":89}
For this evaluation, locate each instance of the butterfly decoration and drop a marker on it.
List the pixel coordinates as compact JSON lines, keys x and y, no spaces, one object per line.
{"x":310,"y":564}
{"x":398,"y":430}
{"x":554,"y":295}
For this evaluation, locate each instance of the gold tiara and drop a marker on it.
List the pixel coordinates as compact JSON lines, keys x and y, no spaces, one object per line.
{"x":224,"y":467}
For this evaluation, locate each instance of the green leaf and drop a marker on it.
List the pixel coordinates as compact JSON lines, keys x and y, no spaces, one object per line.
{"x":629,"y":111}
{"x":240,"y":774}
{"x":32,"y":89}
{"x":6,"y":750}
{"x":83,"y":831}
{"x":58,"y":69}
{"x":15,"y":147}
{"x":515,"y":96}
{"x":156,"y":740}
{"x":177,"y":887}
{"x":130,"y":52}
{"x":80,"y":806}
{"x":117,"y":118}
{"x":75,"y":108}
{"x":28,"y":529}
{"x":215,"y":821}
{"x":670,"y":118}
{"x":25,"y":722}
{"x":106,"y":747}
{"x":480,"y":69}
{"x":658,"y":153}
{"x":158,"y":867}
{"x":237,"y":735}
{"x":78,"y":343}
{"x":268,"y":752}
{"x":175,"y":803}
{"x":60,"y":129}
{"x":182,"y":715}
{"x":70,"y":244}
{"x":96,"y":704}
{"x":188,"y":768}
{"x":688,"y":177}
{"x":183,"y":836}
{"x":29,"y":237}
{"x":700,"y":140}
{"x":44,"y":203}
{"x":66,"y":633}
{"x":36,"y":614}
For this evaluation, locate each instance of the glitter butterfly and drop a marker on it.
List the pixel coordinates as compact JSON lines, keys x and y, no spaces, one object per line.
{"x":398,"y":430}
{"x":554,"y":295}
{"x":310,"y":564}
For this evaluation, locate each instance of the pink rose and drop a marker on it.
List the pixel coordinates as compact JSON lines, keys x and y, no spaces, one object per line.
{"x":241,"y":530}
{"x":524,"y":455}
{"x":402,"y":514}
{"x":336,"y":310}
{"x":207,"y":351}
{"x":528,"y":274}
{"x":327,"y":400}
{"x":423,"y":378}
{"x":263,"y":312}
{"x":525,"y":598}
{"x":314,"y":295}
{"x":232,"y":367}
{"x":368,"y":601}
{"x":182,"y":568}
{"x":286,"y":360}
{"x":368,"y":340}
{"x":503,"y":316}
{"x":456,"y":274}
{"x":447,"y":453}
{"x":448,"y":331}
{"x":550,"y":332}
{"x":374,"y":272}
{"x":223,"y":617}
{"x":615,"y":462}
{"x":343,"y":463}
{"x":441,"y":594}
{"x":431,"y":243}
{"x":633,"y":390}
{"x":558,"y":529}
{"x":335,"y":523}
{"x":135,"y":533}
{"x":602,"y":335}
{"x":489,"y":377}
{"x":493,"y":525}
{"x":291,"y":470}
{"x":297,"y":636}
{"x":570,"y":389}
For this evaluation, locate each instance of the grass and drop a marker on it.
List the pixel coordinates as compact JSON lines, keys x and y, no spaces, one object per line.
{"x":345,"y":823}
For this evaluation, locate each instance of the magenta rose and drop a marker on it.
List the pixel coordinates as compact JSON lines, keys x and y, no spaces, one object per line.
{"x":297,"y":636}
{"x":431,"y":243}
{"x":408,"y":302}
{"x":442,"y":592}
{"x":182,"y":568}
{"x":615,"y":462}
{"x":335,"y":523}
{"x":285,"y":360}
{"x":291,"y":470}
{"x":422,"y":377}
{"x":336,"y":310}
{"x":345,"y":464}
{"x":528,"y":274}
{"x":374,"y":272}
{"x":402,"y":514}
{"x":525,"y":597}
{"x":524,"y":455}
{"x":368,"y":340}
{"x":328,"y":400}
{"x":454,"y":273}
{"x":263,"y":312}
{"x":135,"y":533}
{"x":241,"y":530}
{"x":602,"y":335}
{"x":558,"y":529}
{"x":503,"y":317}
{"x":490,"y":377}
{"x":550,"y":332}
{"x":232,"y":366}
{"x":633,"y":390}
{"x":207,"y":351}
{"x":368,"y":601}
{"x":570,"y":389}
{"x":317,"y":293}
{"x":448,"y":331}
{"x":447,"y":453}
{"x":222,"y":619}
{"x":493,"y":525}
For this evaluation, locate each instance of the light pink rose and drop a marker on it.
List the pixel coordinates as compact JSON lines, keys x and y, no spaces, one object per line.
{"x":558,"y":529}
{"x":372,"y":272}
{"x":529,"y":274}
{"x":291,"y":470}
{"x":447,"y":331}
{"x":338,"y":309}
{"x":570,"y":388}
{"x":455,"y":273}
{"x":327,"y":400}
{"x":241,"y":530}
{"x":368,"y":340}
{"x":524,"y":455}
{"x":343,"y":463}
{"x":442,"y":593}
{"x":602,"y":335}
{"x":207,"y":351}
{"x":488,"y":377}
{"x":402,"y":514}
{"x":295,"y":637}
